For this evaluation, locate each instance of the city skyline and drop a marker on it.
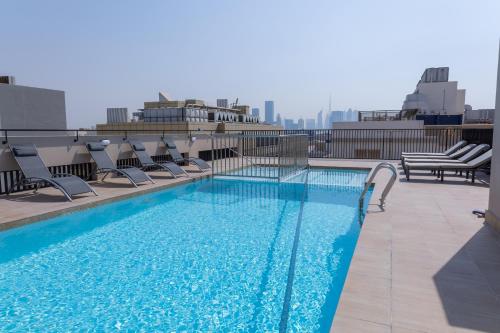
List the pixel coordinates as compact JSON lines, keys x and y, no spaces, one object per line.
{"x":310,"y":52}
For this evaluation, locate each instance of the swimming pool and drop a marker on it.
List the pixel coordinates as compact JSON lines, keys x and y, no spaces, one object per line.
{"x":213,"y":255}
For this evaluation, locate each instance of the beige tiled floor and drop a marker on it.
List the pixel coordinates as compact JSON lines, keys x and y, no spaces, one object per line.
{"x":424,"y":264}
{"x":26,"y":207}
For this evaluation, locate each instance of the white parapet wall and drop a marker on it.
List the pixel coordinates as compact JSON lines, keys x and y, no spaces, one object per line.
{"x":393,"y":124}
{"x":63,"y":150}
{"x":493,"y":212}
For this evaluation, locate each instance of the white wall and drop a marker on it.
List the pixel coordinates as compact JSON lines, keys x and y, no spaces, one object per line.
{"x":493,"y":213}
{"x":27,"y":107}
{"x":454,"y":99}
{"x":405,"y":124}
{"x":62,"y":150}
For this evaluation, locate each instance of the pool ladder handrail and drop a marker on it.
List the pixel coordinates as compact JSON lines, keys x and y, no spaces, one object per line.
{"x":388,"y":186}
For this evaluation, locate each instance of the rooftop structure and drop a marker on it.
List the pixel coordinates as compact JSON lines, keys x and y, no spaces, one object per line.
{"x":117,"y":115}
{"x":193,"y":111}
{"x":24,"y":107}
{"x":435,"y":96}
{"x":222,"y":103}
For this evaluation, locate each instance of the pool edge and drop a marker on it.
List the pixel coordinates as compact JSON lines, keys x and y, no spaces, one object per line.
{"x":16,"y":223}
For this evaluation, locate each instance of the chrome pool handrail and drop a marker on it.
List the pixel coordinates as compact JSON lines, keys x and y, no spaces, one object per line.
{"x":369,"y":180}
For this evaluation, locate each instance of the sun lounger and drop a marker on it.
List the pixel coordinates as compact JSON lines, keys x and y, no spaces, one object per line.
{"x":36,"y":173}
{"x":475,"y":152}
{"x":455,"y":155}
{"x":105,"y":165}
{"x":449,"y":151}
{"x":178,"y":158}
{"x":440,"y":168}
{"x":147,"y":162}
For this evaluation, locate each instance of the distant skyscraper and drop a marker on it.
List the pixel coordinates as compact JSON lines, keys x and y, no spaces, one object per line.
{"x":255,"y":112}
{"x":290,"y":125}
{"x":269,"y":111}
{"x":355,"y":115}
{"x":222,"y":103}
{"x":300,"y":123}
{"x":348,"y":115}
{"x":319,"y":120}
{"x":117,"y":115}
{"x":310,"y":124}
{"x":334,"y":117}
{"x":278,"y":120}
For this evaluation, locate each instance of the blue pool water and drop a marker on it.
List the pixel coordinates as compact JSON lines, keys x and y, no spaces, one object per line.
{"x":213,"y":255}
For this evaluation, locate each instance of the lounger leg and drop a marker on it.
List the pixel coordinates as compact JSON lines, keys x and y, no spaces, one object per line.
{"x":105,"y":175}
{"x":442,"y":175}
{"x":37,"y":186}
{"x":11,"y":188}
{"x":407,"y":173}
{"x":467,"y":175}
{"x":473,"y":176}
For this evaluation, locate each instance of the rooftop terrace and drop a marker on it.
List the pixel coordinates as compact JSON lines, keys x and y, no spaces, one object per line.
{"x":424,"y":264}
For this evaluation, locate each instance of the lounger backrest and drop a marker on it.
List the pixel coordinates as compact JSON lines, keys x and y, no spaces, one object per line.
{"x":474,"y":152}
{"x":483,"y":159}
{"x":98,"y":152}
{"x":463,"y":151}
{"x":140,"y":152}
{"x":455,"y":147}
{"x":172,"y":149}
{"x":29,"y":161}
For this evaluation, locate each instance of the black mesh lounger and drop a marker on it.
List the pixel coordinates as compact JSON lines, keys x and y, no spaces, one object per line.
{"x":148,"y":163}
{"x":472,"y":154}
{"x":177,"y":157}
{"x":105,"y":165}
{"x":470,"y":166}
{"x":36,"y":173}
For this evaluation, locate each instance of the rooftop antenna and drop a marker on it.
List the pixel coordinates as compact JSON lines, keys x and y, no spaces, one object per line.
{"x":235,"y":104}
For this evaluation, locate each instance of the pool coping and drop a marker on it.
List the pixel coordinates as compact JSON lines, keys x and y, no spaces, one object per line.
{"x":15,"y":223}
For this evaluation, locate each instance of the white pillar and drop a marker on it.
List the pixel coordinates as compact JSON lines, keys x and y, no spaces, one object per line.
{"x":493,"y":212}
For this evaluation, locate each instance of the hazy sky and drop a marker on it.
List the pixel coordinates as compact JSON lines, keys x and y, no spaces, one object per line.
{"x":367,"y":54}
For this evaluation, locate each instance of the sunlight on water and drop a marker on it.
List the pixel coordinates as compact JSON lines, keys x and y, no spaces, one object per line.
{"x":208,"y":256}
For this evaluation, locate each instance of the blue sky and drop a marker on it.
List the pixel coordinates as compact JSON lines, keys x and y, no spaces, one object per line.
{"x":367,"y":54}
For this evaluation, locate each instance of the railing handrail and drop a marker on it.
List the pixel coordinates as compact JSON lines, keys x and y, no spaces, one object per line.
{"x":369,"y":180}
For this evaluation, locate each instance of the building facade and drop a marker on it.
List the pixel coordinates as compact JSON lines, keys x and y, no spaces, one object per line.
{"x":269,"y":111}
{"x":222,"y":103}
{"x":117,"y":115}
{"x":493,"y":212}
{"x":31,"y":108}
{"x":435,"y":96}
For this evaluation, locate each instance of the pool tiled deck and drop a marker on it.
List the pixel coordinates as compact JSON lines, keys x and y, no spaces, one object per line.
{"x":425,"y":264}
{"x":25,"y":207}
